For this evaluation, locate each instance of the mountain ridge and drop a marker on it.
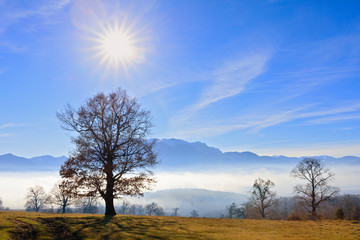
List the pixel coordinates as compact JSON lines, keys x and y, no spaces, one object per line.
{"x":176,"y":154}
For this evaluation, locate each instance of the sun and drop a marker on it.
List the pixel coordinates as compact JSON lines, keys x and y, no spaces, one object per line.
{"x":118,"y":46}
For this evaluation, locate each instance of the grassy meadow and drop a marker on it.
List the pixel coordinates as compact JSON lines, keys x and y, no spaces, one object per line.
{"x":23,"y":225}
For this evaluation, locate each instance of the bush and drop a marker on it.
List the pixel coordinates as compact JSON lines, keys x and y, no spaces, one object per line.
{"x":339,"y":214}
{"x":293,"y":216}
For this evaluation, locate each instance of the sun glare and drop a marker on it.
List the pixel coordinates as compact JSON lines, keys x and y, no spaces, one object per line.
{"x":117,"y":46}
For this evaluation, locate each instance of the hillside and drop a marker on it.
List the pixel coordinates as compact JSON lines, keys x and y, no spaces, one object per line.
{"x":20,"y":225}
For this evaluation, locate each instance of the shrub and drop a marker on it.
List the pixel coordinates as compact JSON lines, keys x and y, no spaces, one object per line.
{"x":293,"y":216}
{"x":339,"y":214}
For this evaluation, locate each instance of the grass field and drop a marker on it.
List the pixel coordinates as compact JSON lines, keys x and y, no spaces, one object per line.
{"x":22,"y":225}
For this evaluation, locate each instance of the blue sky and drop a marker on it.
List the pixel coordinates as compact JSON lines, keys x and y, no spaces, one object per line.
{"x":272,"y":77}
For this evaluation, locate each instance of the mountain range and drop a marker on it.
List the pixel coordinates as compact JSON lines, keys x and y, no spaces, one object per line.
{"x":175,"y":154}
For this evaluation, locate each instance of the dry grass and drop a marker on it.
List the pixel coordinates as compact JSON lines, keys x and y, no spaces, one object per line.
{"x":22,"y":225}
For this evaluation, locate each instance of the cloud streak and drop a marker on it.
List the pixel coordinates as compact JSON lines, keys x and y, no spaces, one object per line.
{"x":11,"y":15}
{"x":261,"y":120}
{"x":227,"y":81}
{"x":326,"y":120}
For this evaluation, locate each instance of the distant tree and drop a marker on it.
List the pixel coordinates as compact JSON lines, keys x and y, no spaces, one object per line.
{"x":316,"y":189}
{"x":175,"y":213}
{"x":231,"y":210}
{"x":159,"y":211}
{"x":154,"y":209}
{"x":124,"y":207}
{"x":234,"y":211}
{"x":150,"y":208}
{"x":60,"y":197}
{"x":194,"y":213}
{"x":87,"y":204}
{"x":133,"y":209}
{"x":112,"y":156}
{"x":262,"y":197}
{"x":349,"y":205}
{"x":36,"y":199}
{"x":140,"y":210}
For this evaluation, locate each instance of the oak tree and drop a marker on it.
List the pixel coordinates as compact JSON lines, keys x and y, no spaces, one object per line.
{"x":316,"y":188}
{"x":112,"y":155}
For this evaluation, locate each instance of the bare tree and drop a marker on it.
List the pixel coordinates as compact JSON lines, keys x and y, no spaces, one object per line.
{"x":262,"y":197}
{"x":154,"y":209}
{"x":60,"y":197}
{"x":231,"y":210}
{"x":112,"y":156}
{"x":194,"y":213}
{"x":349,"y":203}
{"x":175,"y":213}
{"x":316,"y":189}
{"x":36,"y":199}
{"x":234,"y":211}
{"x":87,"y":204}
{"x":124,"y":208}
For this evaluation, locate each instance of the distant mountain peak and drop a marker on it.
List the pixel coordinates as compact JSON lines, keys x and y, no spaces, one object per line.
{"x":179,"y":155}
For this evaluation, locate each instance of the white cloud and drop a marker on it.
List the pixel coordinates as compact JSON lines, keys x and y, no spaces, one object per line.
{"x":13,"y":186}
{"x":240,"y":180}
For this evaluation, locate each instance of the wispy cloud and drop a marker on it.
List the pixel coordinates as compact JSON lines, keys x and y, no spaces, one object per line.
{"x":261,"y":120}
{"x":10,"y":125}
{"x":6,"y":135}
{"x":12,"y":14}
{"x":295,"y":72}
{"x":331,"y":119}
{"x":308,"y":67}
{"x":287,"y":116}
{"x":227,"y":81}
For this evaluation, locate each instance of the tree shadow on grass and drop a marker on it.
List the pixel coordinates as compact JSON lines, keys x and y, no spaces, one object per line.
{"x":59,"y":228}
{"x":123,"y":227}
{"x":22,"y":231}
{"x":119,"y":227}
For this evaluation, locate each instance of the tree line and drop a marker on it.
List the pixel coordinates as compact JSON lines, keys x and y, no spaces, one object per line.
{"x":314,"y":198}
{"x":342,"y":207}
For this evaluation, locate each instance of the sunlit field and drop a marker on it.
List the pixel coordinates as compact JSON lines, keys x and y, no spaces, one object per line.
{"x":22,"y":225}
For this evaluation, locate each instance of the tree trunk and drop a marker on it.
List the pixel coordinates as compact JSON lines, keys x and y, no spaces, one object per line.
{"x":313,"y":212}
{"x":109,"y":195}
{"x":109,"y":207}
{"x":63,"y":208}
